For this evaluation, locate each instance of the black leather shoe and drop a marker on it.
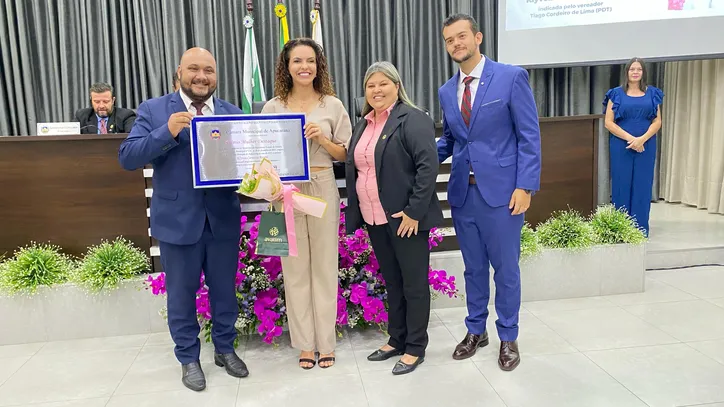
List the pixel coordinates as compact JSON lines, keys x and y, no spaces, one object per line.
{"x":234,"y":366}
{"x":469,"y":345}
{"x":379,"y":355}
{"x":403,"y":368}
{"x":193,"y":377}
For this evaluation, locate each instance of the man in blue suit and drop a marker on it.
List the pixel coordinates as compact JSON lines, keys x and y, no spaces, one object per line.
{"x":490,"y":127}
{"x":197,"y":229}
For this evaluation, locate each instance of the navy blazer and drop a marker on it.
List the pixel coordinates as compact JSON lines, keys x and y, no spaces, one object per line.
{"x":178,"y":211}
{"x":502,"y":143}
{"x":406,"y":167}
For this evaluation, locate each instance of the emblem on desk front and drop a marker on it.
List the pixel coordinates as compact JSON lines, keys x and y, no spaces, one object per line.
{"x":215,"y":134}
{"x":44,"y":129}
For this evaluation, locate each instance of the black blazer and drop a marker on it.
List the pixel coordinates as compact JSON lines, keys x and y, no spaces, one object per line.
{"x":407,"y":166}
{"x":120,"y":121}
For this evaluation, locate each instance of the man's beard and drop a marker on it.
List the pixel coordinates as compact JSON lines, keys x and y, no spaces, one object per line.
{"x":105,"y":113}
{"x":465,"y":58}
{"x":196,"y":97}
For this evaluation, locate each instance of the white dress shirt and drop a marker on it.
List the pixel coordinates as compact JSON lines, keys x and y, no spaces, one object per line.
{"x":476,"y":73}
{"x":207,"y":110}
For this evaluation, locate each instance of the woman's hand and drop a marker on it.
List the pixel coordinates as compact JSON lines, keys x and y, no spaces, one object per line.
{"x":637,"y":144}
{"x":313,"y":132}
{"x":408,"y":225}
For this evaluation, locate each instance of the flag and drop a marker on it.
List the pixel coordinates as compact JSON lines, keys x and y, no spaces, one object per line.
{"x":317,"y":28}
{"x":281,"y":12}
{"x":253,"y":85}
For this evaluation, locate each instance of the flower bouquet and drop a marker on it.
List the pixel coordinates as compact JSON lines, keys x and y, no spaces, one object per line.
{"x":279,"y":235}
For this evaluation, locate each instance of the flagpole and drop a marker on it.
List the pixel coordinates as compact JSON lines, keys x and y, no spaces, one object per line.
{"x":317,"y":24}
{"x":253,"y":86}
{"x":281,"y":12}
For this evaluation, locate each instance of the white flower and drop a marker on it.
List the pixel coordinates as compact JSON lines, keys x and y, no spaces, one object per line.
{"x":241,"y":323}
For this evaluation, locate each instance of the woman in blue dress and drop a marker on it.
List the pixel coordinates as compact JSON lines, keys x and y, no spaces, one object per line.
{"x":633,"y":117}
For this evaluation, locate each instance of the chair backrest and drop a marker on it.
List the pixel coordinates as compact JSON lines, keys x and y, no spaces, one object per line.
{"x":359,"y":103}
{"x":257,"y":106}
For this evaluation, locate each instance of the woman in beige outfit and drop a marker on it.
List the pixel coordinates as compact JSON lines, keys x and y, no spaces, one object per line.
{"x":303,"y":85}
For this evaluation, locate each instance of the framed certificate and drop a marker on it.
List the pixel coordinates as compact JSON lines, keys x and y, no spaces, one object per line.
{"x":224,"y":148}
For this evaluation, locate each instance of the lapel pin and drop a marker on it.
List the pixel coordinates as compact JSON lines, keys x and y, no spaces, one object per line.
{"x":384,"y":136}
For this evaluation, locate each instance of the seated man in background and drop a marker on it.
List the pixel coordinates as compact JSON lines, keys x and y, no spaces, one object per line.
{"x":103,"y":117}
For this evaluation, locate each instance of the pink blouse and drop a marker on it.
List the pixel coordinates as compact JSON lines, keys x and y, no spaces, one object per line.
{"x":364,"y":159}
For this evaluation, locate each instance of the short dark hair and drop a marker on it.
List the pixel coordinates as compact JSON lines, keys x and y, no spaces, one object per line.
{"x":101,"y":87}
{"x":460,"y":17}
{"x":174,"y":78}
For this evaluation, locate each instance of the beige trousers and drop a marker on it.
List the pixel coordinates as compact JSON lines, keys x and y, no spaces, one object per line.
{"x":311,"y":278}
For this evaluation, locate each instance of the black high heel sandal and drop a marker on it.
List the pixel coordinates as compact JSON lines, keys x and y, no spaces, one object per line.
{"x":306,"y":360}
{"x":326,"y":359}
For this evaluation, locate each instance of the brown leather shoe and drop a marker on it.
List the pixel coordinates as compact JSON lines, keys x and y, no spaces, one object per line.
{"x":509,"y":356}
{"x":469,"y":345}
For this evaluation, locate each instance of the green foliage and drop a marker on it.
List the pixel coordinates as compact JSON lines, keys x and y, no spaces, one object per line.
{"x":566,"y":230}
{"x":529,"y":244}
{"x":612,"y":226}
{"x":34,"y":266}
{"x":109,"y":263}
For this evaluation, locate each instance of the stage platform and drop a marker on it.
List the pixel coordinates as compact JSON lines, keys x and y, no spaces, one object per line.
{"x":684,"y":236}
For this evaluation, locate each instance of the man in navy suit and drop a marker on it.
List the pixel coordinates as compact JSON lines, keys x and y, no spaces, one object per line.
{"x":490,"y":127}
{"x":197,"y":229}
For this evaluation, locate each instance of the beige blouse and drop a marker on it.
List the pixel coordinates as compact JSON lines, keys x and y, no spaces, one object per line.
{"x":332,"y":118}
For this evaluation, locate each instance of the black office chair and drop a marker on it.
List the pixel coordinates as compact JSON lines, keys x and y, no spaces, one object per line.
{"x":359,"y":104}
{"x":257,"y":106}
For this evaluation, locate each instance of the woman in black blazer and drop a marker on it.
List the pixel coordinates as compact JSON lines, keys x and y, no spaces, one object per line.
{"x":391,"y":172}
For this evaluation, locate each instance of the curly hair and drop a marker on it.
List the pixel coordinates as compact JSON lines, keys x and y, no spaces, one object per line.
{"x":283,"y":82}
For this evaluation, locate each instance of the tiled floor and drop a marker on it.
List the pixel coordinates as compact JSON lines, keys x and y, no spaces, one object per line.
{"x":664,"y":347}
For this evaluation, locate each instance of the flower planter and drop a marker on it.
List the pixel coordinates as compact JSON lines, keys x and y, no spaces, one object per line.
{"x":67,"y":312}
{"x":562,"y":273}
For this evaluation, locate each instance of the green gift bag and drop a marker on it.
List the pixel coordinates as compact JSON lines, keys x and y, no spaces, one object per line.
{"x":272,"y":240}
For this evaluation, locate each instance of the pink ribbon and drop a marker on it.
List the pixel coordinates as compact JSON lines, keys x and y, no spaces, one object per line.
{"x":287,"y":191}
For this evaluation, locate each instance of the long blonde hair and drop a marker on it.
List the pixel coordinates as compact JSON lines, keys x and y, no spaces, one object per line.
{"x":389,"y":70}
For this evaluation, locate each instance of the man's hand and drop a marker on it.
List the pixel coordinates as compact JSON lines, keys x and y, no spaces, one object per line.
{"x":179,"y":121}
{"x":519,"y":202}
{"x":408,"y":225}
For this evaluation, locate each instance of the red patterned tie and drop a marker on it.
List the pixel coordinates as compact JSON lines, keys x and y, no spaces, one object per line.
{"x":198,"y":107}
{"x":466,"y":108}
{"x":104,"y":130}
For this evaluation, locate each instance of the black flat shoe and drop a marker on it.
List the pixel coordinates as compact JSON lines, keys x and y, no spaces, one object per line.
{"x":193,"y":377}
{"x":380,"y":355}
{"x":403,"y":368}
